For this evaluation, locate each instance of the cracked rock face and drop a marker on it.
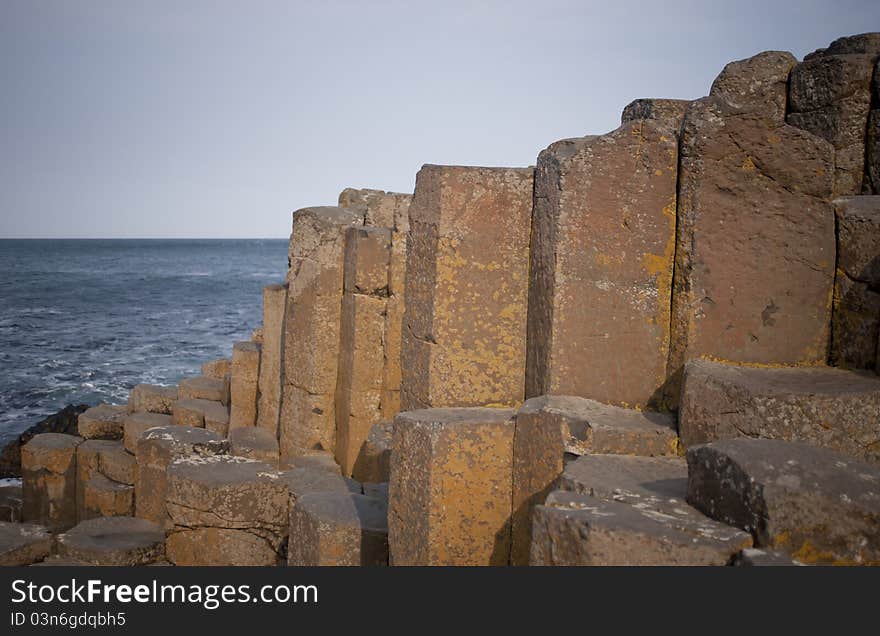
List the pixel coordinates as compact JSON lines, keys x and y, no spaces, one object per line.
{"x":373,"y":462}
{"x":450,"y":489}
{"x":23,"y":543}
{"x":824,"y":406}
{"x":120,"y":541}
{"x":270,"y":379}
{"x":755,"y":247}
{"x":102,"y":422}
{"x":817,"y":505}
{"x":856,"y":322}
{"x":150,"y":398}
{"x":244,"y":384}
{"x":48,"y":469}
{"x":467,"y":265}
{"x":577,"y":529}
{"x":136,"y":424}
{"x":240,"y":503}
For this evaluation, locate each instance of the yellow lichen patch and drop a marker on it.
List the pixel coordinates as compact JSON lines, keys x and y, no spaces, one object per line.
{"x":748,"y":165}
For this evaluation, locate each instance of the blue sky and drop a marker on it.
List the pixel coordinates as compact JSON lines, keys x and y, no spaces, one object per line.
{"x":218,"y":119}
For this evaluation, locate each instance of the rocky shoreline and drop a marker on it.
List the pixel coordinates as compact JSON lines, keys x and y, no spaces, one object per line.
{"x":658,"y":346}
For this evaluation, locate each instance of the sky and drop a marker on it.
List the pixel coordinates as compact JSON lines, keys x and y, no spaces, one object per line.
{"x":161,"y":119}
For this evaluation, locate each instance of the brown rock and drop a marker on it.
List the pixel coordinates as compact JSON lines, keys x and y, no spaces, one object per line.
{"x":549,"y":427}
{"x":362,"y":350}
{"x":118,"y":465}
{"x":450,"y":489}
{"x":312,"y":327}
{"x":316,"y":460}
{"x":872,"y":150}
{"x":302,"y":481}
{"x":662,"y":109}
{"x":338,"y":529}
{"x":823,"y":406}
{"x":270,"y":380}
{"x":23,"y":543}
{"x":757,"y":84}
{"x":136,"y":424}
{"x":856,"y":322}
{"x":374,"y":460}
{"x":383,"y":209}
{"x":152,"y":399}
{"x":87,"y":460}
{"x":156,"y":450}
{"x":102,"y":422}
{"x":830,"y":96}
{"x":815,"y":504}
{"x":102,"y":497}
{"x":758,"y":557}
{"x":603,"y":241}
{"x":239,"y":504}
{"x":198,"y":412}
{"x":59,"y":561}
{"x":467,"y":265}
{"x":244,"y":384}
{"x":755,"y":239}
{"x":64,"y":421}
{"x":576,"y":529}
{"x":202,"y":388}
{"x":119,"y":541}
{"x":48,"y":468}
{"x":868,"y":43}
{"x":217,"y":369}
{"x":254,"y":443}
{"x":10,"y":503}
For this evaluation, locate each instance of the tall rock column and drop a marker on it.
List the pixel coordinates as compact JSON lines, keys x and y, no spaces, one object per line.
{"x":464,"y":328}
{"x":271,"y":353}
{"x":312,"y":327}
{"x":362,"y":342}
{"x":244,"y":384}
{"x":602,"y":249}
{"x":755,"y":248}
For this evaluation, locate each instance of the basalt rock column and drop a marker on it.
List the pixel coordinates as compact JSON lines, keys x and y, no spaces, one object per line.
{"x":274,"y":304}
{"x":450,"y":489}
{"x":362,"y":350}
{"x":856,"y":325}
{"x":312,"y":327}
{"x":48,"y":470}
{"x":466,"y":287}
{"x":603,"y":240}
{"x":755,"y":238}
{"x":244,"y":384}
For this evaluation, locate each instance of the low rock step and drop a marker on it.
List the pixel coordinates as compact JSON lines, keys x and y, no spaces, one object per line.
{"x":10,"y":503}
{"x":373,"y":463}
{"x":304,"y":481}
{"x":254,"y":443}
{"x":23,"y":543}
{"x":102,"y":422}
{"x":823,"y":406}
{"x":97,"y":503}
{"x":576,"y":529}
{"x":151,"y":398}
{"x":317,"y":461}
{"x":758,"y":557}
{"x":118,"y":465}
{"x":198,"y":412}
{"x":136,"y":424}
{"x":113,"y":541}
{"x":226,"y":511}
{"x":202,"y":388}
{"x":60,"y":561}
{"x":338,"y":529}
{"x":102,"y":497}
{"x":815,"y":504}
{"x":217,"y":369}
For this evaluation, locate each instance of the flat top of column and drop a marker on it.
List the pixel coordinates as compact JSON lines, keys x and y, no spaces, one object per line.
{"x":332,"y":214}
{"x":54,"y":441}
{"x":457,"y":168}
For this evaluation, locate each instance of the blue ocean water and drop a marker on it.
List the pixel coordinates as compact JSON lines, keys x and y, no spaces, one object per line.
{"x":82,"y":321}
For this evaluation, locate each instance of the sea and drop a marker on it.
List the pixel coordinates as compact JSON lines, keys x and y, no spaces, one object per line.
{"x":83,"y":321}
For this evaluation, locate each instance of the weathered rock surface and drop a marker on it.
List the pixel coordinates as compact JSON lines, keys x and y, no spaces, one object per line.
{"x":254,"y":443}
{"x":450,"y":487}
{"x":64,"y":421}
{"x":830,"y":96}
{"x":815,"y":504}
{"x":10,"y":503}
{"x":652,"y":108}
{"x":150,"y":398}
{"x":87,"y":466}
{"x":102,"y":497}
{"x":244,"y":385}
{"x":315,"y":460}
{"x":102,"y":422}
{"x":23,"y":543}
{"x":217,"y":369}
{"x":312,"y":327}
{"x":202,"y":387}
{"x":823,"y":406}
{"x":303,"y":481}
{"x":118,"y":464}
{"x":758,"y":557}
{"x":338,"y":529}
{"x":602,"y":250}
{"x":226,"y":511}
{"x":755,"y":241}
{"x":157,"y":449}
{"x":198,"y":412}
{"x":119,"y":541}
{"x":48,"y":468}
{"x":872,"y":150}
{"x":374,"y":460}
{"x":362,"y":343}
{"x":464,"y":331}
{"x":136,"y":424}
{"x":549,"y":427}
{"x":856,"y":323}
{"x":270,"y":379}
{"x":577,"y":529}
